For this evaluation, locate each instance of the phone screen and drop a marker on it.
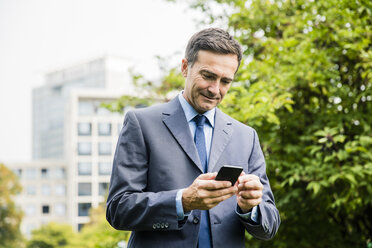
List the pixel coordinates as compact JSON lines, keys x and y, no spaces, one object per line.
{"x":229,"y":173}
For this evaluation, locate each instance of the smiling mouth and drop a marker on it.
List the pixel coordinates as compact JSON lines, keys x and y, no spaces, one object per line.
{"x":209,"y":98}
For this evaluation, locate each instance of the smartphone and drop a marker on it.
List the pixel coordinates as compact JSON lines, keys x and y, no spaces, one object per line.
{"x":229,"y":173}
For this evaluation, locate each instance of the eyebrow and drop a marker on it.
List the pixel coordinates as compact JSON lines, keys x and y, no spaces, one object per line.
{"x":214,"y":74}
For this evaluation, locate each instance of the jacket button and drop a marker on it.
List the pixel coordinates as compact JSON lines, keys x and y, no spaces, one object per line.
{"x":196,"y":220}
{"x":157,"y":225}
{"x":154,"y":226}
{"x":162,"y":225}
{"x":166,"y":225}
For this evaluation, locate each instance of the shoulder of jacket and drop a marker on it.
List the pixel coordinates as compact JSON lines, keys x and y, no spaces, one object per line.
{"x":152,"y":110}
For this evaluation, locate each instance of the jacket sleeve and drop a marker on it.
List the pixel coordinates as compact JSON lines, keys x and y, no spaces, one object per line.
{"x":269,"y":219}
{"x":129,"y":206}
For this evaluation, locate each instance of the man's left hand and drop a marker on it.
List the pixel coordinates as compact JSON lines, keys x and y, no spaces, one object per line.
{"x":249,"y":192}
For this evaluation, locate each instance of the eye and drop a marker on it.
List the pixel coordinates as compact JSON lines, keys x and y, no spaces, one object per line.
{"x":208,"y":76}
{"x":226,"y":81}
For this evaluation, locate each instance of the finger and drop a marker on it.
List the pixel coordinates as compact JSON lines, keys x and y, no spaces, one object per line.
{"x":247,"y":177}
{"x":237,"y":181}
{"x":248,"y":203}
{"x":207,"y":176}
{"x":250,"y":185}
{"x":215,"y":185}
{"x":211,"y":202}
{"x":221,"y":192}
{"x":252,"y":194}
{"x":236,"y":184}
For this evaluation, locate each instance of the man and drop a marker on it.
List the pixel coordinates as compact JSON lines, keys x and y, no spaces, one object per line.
{"x":162,"y":184}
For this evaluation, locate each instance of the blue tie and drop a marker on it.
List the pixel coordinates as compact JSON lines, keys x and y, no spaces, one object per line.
{"x":205,"y":237}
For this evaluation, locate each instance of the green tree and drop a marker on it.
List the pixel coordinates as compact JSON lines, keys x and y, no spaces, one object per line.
{"x":95,"y":234}
{"x":99,"y":234}
{"x":54,"y":235}
{"x":305,"y":84}
{"x":10,"y":215}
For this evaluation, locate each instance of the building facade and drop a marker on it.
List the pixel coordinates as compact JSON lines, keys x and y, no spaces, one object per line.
{"x":92,"y":134}
{"x":49,"y":102}
{"x":44,"y":197}
{"x":74,"y":139}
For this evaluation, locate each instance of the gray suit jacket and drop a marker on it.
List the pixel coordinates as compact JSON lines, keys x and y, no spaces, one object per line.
{"x":156,"y":156}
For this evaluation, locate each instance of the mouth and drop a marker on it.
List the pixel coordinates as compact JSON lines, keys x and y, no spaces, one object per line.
{"x":209,"y":98}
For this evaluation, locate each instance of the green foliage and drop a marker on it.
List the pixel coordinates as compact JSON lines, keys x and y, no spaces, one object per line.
{"x":10,"y":215}
{"x":150,"y":92}
{"x":99,"y":234}
{"x":120,"y":104}
{"x":306,"y":85}
{"x":95,"y":234}
{"x":53,"y":235}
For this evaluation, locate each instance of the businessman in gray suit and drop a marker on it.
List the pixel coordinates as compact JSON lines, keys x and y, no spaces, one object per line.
{"x":167,"y":157}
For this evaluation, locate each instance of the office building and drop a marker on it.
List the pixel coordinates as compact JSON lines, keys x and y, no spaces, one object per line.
{"x":49,"y":102}
{"x":44,"y":195}
{"x":91,"y":136}
{"x":74,"y":139}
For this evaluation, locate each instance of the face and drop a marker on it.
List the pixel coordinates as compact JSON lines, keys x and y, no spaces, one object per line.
{"x":208,"y":79}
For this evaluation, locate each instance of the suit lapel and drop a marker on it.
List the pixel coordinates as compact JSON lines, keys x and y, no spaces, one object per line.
{"x":221,"y":135}
{"x":174,"y":118}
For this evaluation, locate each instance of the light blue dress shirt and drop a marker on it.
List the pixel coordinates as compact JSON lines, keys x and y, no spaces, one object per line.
{"x":190,"y":113}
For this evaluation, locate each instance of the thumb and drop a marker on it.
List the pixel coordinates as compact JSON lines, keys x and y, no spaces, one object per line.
{"x":208,"y":176}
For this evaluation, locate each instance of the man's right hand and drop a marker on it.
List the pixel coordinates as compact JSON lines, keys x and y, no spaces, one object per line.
{"x":205,"y":192}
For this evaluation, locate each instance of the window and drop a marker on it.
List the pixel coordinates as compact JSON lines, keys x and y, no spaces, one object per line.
{"x":80,"y":226}
{"x":30,"y":173}
{"x":86,"y":108}
{"x":45,"y":209}
{"x":30,"y":210}
{"x":60,"y":209}
{"x":104,"y":129}
{"x":44,"y":173}
{"x":103,"y":111}
{"x":104,"y":168}
{"x":60,"y":189}
{"x":84,"y":168}
{"x":83,"y":209}
{"x":29,"y":228}
{"x":60,"y":173}
{"x":31,"y":190}
{"x":104,"y":148}
{"x":84,"y":129}
{"x":57,"y":90}
{"x":18,"y":172}
{"x":85,"y":148}
{"x":102,"y":188}
{"x":45,"y":189}
{"x":85,"y":189}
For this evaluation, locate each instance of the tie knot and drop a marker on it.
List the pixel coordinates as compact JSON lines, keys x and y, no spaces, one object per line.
{"x":200,"y":120}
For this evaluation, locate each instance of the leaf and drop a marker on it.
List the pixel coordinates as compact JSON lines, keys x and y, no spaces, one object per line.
{"x":365,"y":140}
{"x":342,"y":155}
{"x":314,"y":186}
{"x":332,"y":179}
{"x":351,"y":178}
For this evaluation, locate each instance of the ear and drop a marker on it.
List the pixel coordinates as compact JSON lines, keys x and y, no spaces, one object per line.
{"x":184,"y":67}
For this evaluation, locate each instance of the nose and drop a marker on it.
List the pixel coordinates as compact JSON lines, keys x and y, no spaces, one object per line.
{"x":214,"y":88}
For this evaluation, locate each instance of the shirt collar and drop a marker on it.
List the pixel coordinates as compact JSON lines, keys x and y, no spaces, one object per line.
{"x":190,"y":112}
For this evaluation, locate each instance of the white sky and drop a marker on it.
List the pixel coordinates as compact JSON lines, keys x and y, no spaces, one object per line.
{"x":38,"y":36}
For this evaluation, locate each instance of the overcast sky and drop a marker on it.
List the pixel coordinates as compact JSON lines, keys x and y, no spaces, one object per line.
{"x":38,"y":36}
